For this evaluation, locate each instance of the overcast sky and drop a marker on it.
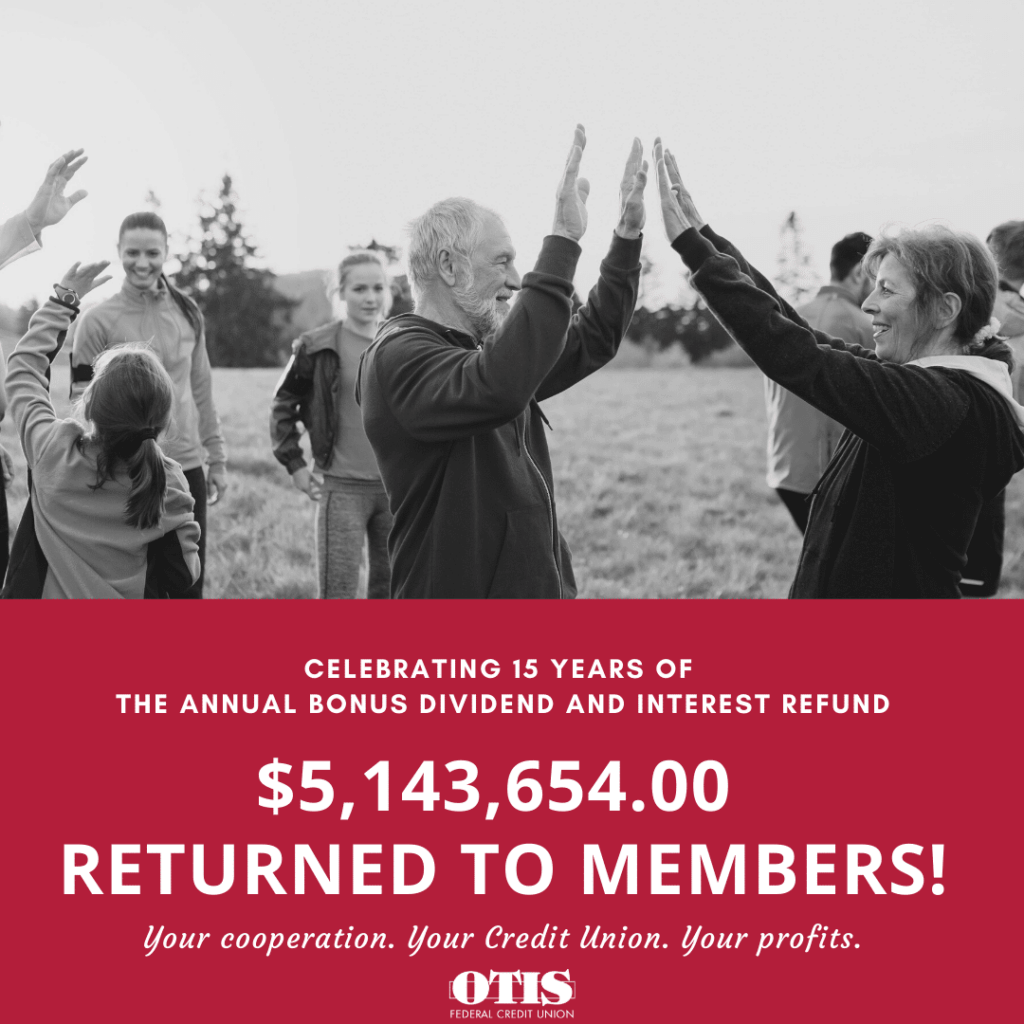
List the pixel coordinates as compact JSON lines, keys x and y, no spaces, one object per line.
{"x":340,"y":121}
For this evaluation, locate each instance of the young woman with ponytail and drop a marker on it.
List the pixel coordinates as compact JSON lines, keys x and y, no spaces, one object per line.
{"x":150,"y":311}
{"x":109,"y":515}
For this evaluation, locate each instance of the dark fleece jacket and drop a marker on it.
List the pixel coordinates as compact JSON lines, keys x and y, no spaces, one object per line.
{"x":925,"y":447}
{"x":459,"y":436}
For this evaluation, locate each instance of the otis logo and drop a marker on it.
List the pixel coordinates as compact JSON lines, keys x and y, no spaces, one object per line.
{"x":508,"y":988}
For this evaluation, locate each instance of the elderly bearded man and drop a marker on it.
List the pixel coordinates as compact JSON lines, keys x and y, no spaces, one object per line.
{"x":449,"y":393}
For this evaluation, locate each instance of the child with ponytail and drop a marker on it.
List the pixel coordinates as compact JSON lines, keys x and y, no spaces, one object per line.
{"x":109,"y":514}
{"x":150,"y":310}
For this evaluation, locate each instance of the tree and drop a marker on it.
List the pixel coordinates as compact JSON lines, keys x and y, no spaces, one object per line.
{"x":795,"y":278}
{"x":244,"y":314}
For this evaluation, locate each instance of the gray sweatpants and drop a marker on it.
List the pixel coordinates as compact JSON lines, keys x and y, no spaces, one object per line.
{"x":351,"y":510}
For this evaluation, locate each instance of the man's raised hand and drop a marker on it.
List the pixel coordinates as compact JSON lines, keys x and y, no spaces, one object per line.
{"x":571,"y":198}
{"x":50,"y":204}
{"x":631,"y":194}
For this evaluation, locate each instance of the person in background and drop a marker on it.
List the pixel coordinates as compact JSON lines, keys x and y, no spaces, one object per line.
{"x":802,"y":440}
{"x":985,"y":554}
{"x":1007,"y":244}
{"x":317,"y":389}
{"x":111,"y":516}
{"x":19,"y":236}
{"x":149,"y":310}
{"x":450,"y":393}
{"x":933,"y":431}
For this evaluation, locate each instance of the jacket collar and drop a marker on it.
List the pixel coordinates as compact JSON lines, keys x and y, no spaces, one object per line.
{"x":140,"y":296}
{"x":413,"y":322}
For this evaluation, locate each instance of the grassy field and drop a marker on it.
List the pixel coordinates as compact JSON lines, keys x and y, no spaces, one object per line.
{"x":659,"y":477}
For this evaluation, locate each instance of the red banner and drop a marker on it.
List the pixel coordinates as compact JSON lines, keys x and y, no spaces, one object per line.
{"x":456,"y":811}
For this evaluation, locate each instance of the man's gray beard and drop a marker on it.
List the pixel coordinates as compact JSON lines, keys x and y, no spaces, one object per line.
{"x":484,"y":317}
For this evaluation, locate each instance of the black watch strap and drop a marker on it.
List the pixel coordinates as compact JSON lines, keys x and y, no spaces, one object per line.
{"x":66,"y":297}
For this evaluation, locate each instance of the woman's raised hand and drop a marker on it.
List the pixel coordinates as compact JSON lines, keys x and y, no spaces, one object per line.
{"x":677,"y":206}
{"x":83,"y":277}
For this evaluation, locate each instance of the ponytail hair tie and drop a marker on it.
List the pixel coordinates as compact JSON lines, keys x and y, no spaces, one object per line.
{"x":984,"y":334}
{"x":128,"y":446}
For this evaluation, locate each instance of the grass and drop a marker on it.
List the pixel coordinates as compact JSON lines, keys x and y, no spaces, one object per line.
{"x":659,"y":481}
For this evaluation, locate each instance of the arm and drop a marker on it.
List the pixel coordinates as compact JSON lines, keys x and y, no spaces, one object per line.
{"x":16,"y":239}
{"x":294,"y":387}
{"x":596,"y":331}
{"x":440,"y":392}
{"x":905,"y":410}
{"x":202,"y":392}
{"x":21,"y":234}
{"x":598,"y":327}
{"x":28,"y":376}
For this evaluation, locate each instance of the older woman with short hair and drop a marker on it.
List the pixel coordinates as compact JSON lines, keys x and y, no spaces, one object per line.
{"x":933,"y":430}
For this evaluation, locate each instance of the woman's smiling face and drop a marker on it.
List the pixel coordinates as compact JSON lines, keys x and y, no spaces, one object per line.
{"x":143,"y":252}
{"x":898,"y":323}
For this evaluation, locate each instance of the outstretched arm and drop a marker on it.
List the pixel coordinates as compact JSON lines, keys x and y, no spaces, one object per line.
{"x":294,"y":387}
{"x":28,"y":383}
{"x":210,"y":431}
{"x":438,"y":391}
{"x":596,"y":331}
{"x":895,"y":408}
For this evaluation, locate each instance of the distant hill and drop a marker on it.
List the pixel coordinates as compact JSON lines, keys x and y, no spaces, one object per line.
{"x":308,"y":288}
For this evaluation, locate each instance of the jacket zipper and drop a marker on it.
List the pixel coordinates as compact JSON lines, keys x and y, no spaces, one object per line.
{"x":551,"y":509}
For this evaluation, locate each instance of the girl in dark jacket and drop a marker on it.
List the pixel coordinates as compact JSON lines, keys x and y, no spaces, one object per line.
{"x":317,"y":389}
{"x":933,"y":431}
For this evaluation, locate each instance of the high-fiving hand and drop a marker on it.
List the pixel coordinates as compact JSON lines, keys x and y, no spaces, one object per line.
{"x":83,"y":277}
{"x":677,"y":206}
{"x":631,"y":194}
{"x":50,"y":204}
{"x":571,"y":198}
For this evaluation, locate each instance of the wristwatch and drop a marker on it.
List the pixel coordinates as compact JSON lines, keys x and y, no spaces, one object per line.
{"x":64,"y":296}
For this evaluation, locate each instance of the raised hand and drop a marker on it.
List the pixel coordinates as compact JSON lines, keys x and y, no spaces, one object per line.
{"x":50,"y":204}
{"x":677,"y":206}
{"x":682,"y":192}
{"x":82,"y":278}
{"x":571,"y":197}
{"x":631,"y":194}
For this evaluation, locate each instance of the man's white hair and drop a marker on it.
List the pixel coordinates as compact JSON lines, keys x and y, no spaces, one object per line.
{"x":452,"y":225}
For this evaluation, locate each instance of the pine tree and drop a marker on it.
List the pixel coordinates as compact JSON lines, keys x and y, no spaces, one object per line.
{"x":244,"y":314}
{"x":796,"y":279}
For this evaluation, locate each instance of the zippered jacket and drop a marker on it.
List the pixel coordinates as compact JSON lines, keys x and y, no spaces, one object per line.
{"x":152,"y":318}
{"x":459,"y":436}
{"x":926,"y":445}
{"x":306,"y":393}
